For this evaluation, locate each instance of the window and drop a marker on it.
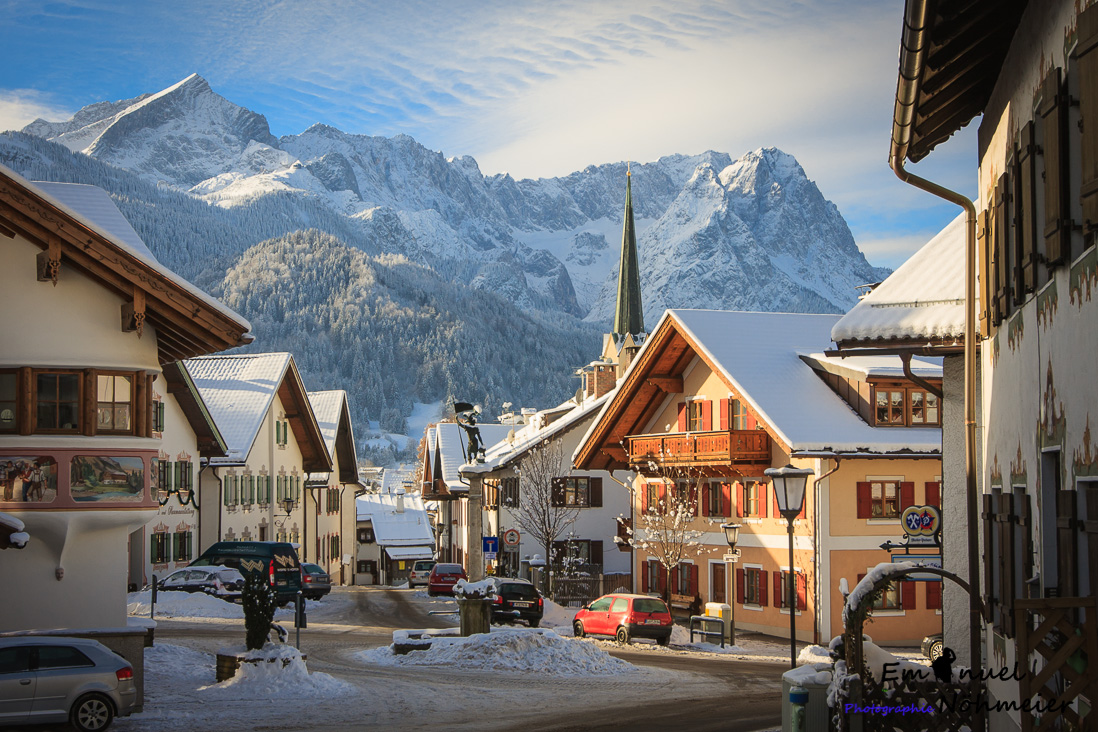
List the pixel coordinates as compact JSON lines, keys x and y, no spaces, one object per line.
{"x":781,"y":580}
{"x":8,"y":380}
{"x":738,"y":414}
{"x":890,"y":406}
{"x":183,"y":546}
{"x":57,"y":401}
{"x":685,"y":579}
{"x":62,"y":657}
{"x":652,"y":498}
{"x":714,"y":497}
{"x":580,"y":491}
{"x":113,"y":402}
{"x":654,"y":577}
{"x":158,"y":549}
{"x":752,"y":586}
{"x":366,"y":536}
{"x":578,"y":552}
{"x":694,"y":421}
{"x":157,"y":415}
{"x":282,"y":433}
{"x":924,"y":407}
{"x":334,"y":547}
{"x":510,"y":492}
{"x":263,"y":496}
{"x":890,"y":598}
{"x":752,"y":499}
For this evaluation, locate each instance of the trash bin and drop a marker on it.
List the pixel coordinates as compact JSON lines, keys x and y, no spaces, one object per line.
{"x":724,"y":612}
{"x":815,"y":677}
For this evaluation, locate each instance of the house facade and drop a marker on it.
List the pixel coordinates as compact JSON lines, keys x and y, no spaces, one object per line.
{"x":1029,"y":69}
{"x":330,"y":497}
{"x":394,"y":531}
{"x":715,"y":398}
{"x":262,"y":411}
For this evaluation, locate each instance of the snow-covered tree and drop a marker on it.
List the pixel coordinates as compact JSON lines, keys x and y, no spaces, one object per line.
{"x":539,"y":511}
{"x":663,"y":527}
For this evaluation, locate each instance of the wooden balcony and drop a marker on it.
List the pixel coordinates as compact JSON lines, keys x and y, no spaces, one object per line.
{"x":697,"y":449}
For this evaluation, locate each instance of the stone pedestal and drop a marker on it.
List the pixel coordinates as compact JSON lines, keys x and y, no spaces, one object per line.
{"x":475,"y":616}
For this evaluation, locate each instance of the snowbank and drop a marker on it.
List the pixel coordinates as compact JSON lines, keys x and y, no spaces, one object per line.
{"x":189,"y":605}
{"x":520,"y":650}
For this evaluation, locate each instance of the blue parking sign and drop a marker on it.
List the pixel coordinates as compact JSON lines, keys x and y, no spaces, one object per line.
{"x":490,"y":544}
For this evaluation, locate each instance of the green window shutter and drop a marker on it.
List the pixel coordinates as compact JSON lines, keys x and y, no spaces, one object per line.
{"x":226,"y":484}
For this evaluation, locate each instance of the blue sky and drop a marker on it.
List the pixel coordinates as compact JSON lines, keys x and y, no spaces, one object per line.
{"x":532,"y":88}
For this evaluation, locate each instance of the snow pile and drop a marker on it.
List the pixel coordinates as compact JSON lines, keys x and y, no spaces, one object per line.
{"x":518,"y":650}
{"x":558,"y":616}
{"x":864,"y":588}
{"x":189,"y":605}
{"x":814,"y":654}
{"x":474,"y":590}
{"x":812,"y":674}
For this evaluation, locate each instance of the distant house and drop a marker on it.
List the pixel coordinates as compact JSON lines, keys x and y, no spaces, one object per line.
{"x":90,"y":320}
{"x":330,"y":496}
{"x":262,"y":411}
{"x":713,"y":399}
{"x":394,"y":530}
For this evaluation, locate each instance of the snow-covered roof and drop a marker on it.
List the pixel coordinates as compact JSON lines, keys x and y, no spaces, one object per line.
{"x":922,"y":300}
{"x":864,"y":367}
{"x":758,"y":354}
{"x":94,"y":208}
{"x":396,"y":478}
{"x":505,"y":451}
{"x":238,"y":391}
{"x":452,"y":447}
{"x":409,"y":527}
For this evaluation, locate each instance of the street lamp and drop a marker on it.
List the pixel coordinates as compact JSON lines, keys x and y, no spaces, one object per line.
{"x":732,"y":535}
{"x":789,"y":488}
{"x":286,"y":504}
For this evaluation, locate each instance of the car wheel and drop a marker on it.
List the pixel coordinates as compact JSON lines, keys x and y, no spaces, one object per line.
{"x":935,"y":650}
{"x":91,"y":712}
{"x":622,"y":636}
{"x":577,"y":629}
{"x":535,"y":623}
{"x":664,"y":641}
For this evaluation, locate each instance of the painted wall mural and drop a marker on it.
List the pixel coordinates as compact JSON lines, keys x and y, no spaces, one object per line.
{"x":28,"y":479}
{"x":107,"y":479}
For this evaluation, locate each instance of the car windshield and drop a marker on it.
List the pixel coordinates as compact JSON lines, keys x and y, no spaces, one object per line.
{"x":649,"y":605}
{"x":313,"y":568}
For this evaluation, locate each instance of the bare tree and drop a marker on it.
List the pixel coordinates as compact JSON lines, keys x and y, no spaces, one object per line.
{"x":540,"y":512}
{"x":664,"y":528}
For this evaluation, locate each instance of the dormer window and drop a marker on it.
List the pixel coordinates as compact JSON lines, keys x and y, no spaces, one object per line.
{"x":900,"y":406}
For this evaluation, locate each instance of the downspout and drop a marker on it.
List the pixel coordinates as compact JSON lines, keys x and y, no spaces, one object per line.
{"x":905,"y":357}
{"x":817,"y":534}
{"x":912,"y":59}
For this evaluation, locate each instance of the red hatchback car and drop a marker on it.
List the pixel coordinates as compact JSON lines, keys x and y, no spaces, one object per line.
{"x":443,"y":577}
{"x":625,"y":617}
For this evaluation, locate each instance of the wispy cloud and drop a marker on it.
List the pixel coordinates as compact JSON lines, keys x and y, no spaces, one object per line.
{"x":20,"y":107}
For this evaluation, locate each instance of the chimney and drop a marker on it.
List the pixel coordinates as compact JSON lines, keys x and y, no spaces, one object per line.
{"x":399,"y":493}
{"x":604,"y":379}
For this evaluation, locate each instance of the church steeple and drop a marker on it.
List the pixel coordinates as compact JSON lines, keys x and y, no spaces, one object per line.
{"x":628,"y":316}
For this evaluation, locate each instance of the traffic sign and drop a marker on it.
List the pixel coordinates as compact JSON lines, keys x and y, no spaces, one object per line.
{"x":490,"y":544}
{"x":512,"y":537}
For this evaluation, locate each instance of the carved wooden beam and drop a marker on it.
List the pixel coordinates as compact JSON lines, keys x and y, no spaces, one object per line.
{"x":667,"y":384}
{"x":615,"y":452}
{"x":133,"y":313}
{"x":9,"y":233}
{"x":49,"y":262}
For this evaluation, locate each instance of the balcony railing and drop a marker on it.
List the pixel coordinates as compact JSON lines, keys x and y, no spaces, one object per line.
{"x":726,"y":447}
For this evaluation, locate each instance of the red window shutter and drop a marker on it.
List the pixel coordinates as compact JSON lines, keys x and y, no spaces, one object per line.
{"x":644,"y":497}
{"x":739,"y":586}
{"x":682,"y":417}
{"x":907,"y":595}
{"x":762,"y":499}
{"x":695,"y":498}
{"x":802,"y":591}
{"x":726,"y":499}
{"x":723,"y":417}
{"x":750,"y":422}
{"x":646,"y":569}
{"x":933,"y":595}
{"x":741,"y":495}
{"x":865,"y":500}
{"x":778,"y":589}
{"x":707,"y":416}
{"x":774,"y":500}
{"x":934,"y":494}
{"x":703,"y":499}
{"x":907,"y":495}
{"x":694,"y":579}
{"x":804,"y":506}
{"x":762,"y":589}
{"x":675,"y":579}
{"x":661,"y":572}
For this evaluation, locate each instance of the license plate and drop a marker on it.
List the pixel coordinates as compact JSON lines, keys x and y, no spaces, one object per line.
{"x":521,"y":604}
{"x":651,"y":621}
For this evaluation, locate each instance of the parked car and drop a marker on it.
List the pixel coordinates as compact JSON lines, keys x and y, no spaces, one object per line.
{"x":625,"y":617}
{"x":421,"y":571}
{"x":443,"y":577}
{"x":932,"y":646}
{"x":517,"y":599}
{"x":55,"y":679}
{"x":315,"y":582}
{"x":275,"y":561}
{"x":225,"y":583}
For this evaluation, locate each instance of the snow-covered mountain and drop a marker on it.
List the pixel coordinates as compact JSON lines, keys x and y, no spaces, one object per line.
{"x":753,"y":233}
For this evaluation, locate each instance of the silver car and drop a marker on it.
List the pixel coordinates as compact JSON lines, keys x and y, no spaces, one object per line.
{"x":50,"y":679}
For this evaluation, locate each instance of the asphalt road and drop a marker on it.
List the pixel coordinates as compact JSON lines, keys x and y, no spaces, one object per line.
{"x":731,"y":695}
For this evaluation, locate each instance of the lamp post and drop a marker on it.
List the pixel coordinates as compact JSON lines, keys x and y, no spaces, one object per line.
{"x":732,"y":535}
{"x":287,"y":505}
{"x":789,"y":488}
